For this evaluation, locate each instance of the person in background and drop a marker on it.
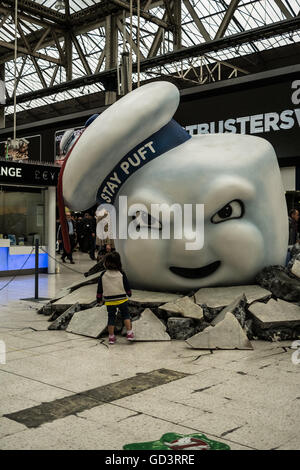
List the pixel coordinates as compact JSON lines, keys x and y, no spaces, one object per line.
{"x":293,"y":226}
{"x":59,"y":246}
{"x":87,"y":230}
{"x":114,"y":290}
{"x":72,"y":236}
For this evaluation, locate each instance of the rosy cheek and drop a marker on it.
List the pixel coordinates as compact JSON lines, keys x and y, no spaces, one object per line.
{"x":238,"y":244}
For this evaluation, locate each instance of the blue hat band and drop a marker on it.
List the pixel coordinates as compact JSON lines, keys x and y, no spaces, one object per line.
{"x":167,"y":138}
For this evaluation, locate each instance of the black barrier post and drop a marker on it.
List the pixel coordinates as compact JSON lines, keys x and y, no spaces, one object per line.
{"x":36,"y":271}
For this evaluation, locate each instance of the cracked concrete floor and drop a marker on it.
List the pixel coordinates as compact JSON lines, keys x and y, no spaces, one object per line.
{"x":247,"y":399}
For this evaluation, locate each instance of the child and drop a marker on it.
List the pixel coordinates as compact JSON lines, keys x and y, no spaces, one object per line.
{"x":113,"y":289}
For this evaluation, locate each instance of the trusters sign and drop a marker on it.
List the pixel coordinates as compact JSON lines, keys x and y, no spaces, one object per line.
{"x":256,"y":123}
{"x":26,"y":173}
{"x":265,"y":105}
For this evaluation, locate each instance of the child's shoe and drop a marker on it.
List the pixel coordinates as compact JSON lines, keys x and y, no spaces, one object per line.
{"x":112,"y":339}
{"x":130,"y":336}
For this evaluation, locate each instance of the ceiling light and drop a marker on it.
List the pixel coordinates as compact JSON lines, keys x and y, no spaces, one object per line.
{"x":59,"y":5}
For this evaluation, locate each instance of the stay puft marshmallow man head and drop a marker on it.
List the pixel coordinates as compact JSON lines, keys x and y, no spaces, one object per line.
{"x":135,"y":149}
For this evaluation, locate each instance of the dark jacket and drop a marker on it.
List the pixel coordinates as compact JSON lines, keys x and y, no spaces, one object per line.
{"x":86,"y":227}
{"x":293,"y":231}
{"x":59,"y":235}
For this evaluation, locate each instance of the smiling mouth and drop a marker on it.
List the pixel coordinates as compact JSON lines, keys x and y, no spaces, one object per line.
{"x":193,"y":273}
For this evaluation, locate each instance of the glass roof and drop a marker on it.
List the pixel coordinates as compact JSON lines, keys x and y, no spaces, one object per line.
{"x":34,"y":73}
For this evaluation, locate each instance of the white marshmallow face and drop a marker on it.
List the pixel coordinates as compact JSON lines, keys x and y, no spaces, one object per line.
{"x":237,"y":179}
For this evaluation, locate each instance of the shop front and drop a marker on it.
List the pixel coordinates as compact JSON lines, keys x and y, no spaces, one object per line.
{"x":27,"y":215}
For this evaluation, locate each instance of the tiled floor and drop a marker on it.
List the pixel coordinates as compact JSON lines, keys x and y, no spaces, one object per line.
{"x":247,"y":399}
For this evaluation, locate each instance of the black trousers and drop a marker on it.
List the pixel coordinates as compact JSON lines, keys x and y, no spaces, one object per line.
{"x":72,"y":243}
{"x":112,"y":312}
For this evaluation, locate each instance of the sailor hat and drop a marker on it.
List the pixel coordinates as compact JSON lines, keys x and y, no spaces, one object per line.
{"x":129,"y":134}
{"x":66,"y":141}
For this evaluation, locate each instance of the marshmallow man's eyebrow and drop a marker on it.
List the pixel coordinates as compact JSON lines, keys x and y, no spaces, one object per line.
{"x":225,"y":190}
{"x":147,"y":197}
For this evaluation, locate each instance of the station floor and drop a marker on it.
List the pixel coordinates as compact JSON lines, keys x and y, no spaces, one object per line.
{"x":64,"y":391}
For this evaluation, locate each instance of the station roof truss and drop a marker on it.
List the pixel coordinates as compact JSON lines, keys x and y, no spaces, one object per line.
{"x":68,"y":48}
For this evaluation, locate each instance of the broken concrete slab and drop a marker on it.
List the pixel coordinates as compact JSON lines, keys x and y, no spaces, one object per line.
{"x":184,"y":307}
{"x":149,"y":328}
{"x":237,"y":308}
{"x":295,"y":269}
{"x":93,"y":279}
{"x":150,"y":298}
{"x":62,"y":321}
{"x":280,"y":282}
{"x":220,"y":297}
{"x":226,"y":334}
{"x":61,"y":293}
{"x":45,"y":309}
{"x":275,"y":313}
{"x":90,"y":322}
{"x":85,"y":296}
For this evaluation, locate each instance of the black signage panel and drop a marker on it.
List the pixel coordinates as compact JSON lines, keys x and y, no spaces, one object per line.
{"x":268,"y":110}
{"x":26,"y":173}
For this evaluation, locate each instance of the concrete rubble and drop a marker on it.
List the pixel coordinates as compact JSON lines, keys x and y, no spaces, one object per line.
{"x":277,"y":319}
{"x":184,"y":307}
{"x":91,"y":322}
{"x":63,"y":320}
{"x":281,"y":282}
{"x":49,"y":308}
{"x":183,"y":328}
{"x":220,"y":297}
{"x":85,"y":296}
{"x":225,"y":333}
{"x":181,"y":317}
{"x":149,"y":328}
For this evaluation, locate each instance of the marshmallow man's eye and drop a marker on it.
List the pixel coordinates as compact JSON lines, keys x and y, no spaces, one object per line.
{"x":232,"y":210}
{"x":143,"y":219}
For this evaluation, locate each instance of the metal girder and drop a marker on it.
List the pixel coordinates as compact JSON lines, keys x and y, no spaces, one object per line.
{"x":234,"y":40}
{"x":68,"y":57}
{"x":41,"y":40}
{"x":67,"y":9}
{"x":32,"y":19}
{"x":267,"y":31}
{"x":227,"y":18}
{"x":100,"y":61}
{"x":81,"y":55}
{"x":157,"y":40}
{"x":5,"y":16}
{"x":111,"y":43}
{"x":283,"y":8}
{"x":21,"y":71}
{"x":24,"y":50}
{"x":80,"y":22}
{"x":197,"y":20}
{"x":169,"y":12}
{"x":36,"y":9}
{"x":2,"y":107}
{"x":177,"y":36}
{"x":143,"y":14}
{"x":128,"y":39}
